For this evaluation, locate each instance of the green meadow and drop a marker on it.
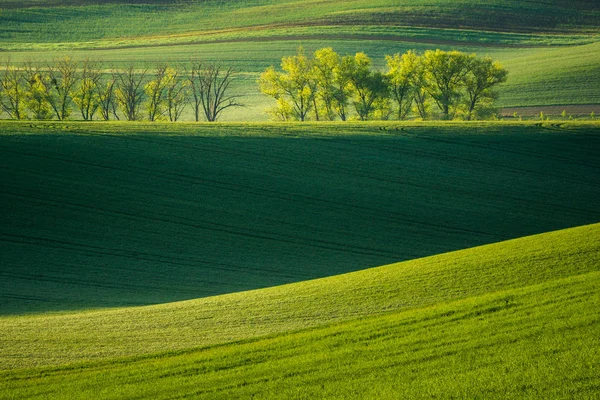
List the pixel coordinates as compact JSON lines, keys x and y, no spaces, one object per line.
{"x":321,"y":260}
{"x":516,"y":319}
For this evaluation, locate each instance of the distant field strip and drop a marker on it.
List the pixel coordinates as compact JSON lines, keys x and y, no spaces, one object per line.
{"x":76,"y":22}
{"x":311,"y":32}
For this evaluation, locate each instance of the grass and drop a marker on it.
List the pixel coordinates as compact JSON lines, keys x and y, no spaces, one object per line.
{"x":65,"y":338}
{"x":97,"y":20}
{"x":106,"y":215}
{"x":532,"y":338}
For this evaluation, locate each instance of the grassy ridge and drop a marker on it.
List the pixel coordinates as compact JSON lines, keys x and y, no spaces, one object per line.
{"x":94,"y":217}
{"x":539,"y":341}
{"x":73,"y":337}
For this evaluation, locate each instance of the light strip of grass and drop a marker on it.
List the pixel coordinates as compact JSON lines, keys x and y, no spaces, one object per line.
{"x":534,"y":342}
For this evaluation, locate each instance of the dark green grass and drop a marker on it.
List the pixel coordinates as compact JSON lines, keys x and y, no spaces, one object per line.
{"x":66,"y":338}
{"x":534,"y":342}
{"x":96,"y":217}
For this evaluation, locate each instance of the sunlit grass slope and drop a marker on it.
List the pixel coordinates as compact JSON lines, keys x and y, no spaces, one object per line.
{"x":511,"y":320}
{"x":49,"y":339}
{"x":104,"y":215}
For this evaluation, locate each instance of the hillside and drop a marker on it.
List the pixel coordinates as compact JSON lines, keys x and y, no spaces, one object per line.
{"x":550,"y":48}
{"x":509,"y":320}
{"x":106,"y":215}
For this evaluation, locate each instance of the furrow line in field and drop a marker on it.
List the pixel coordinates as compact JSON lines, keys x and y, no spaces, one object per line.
{"x":290,"y":196}
{"x":442,"y":188}
{"x":504,"y":149}
{"x":254,"y":234}
{"x":130,"y":254}
{"x":445,"y":157}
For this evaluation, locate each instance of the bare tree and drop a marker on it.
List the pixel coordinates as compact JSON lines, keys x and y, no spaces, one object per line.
{"x":12,"y":86}
{"x":210,"y":89}
{"x":155,"y":91}
{"x":86,"y":95}
{"x":177,"y":94}
{"x":129,"y":91}
{"x":106,"y":97}
{"x":63,"y":77}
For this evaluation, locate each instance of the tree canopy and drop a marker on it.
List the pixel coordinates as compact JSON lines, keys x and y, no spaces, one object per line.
{"x":435,"y":85}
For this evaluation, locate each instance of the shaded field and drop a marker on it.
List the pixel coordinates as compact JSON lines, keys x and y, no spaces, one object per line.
{"x":66,"y":338}
{"x":106,"y":215}
{"x":514,"y":340}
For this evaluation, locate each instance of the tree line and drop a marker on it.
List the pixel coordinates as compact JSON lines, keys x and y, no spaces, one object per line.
{"x":64,"y":86}
{"x":434,"y":85}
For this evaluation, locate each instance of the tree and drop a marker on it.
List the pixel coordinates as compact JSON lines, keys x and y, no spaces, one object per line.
{"x":444,"y":76}
{"x":86,"y":95}
{"x":211,"y":90}
{"x":370,"y":89}
{"x":63,"y":77}
{"x":38,"y":96}
{"x":129,"y":92}
{"x":12,"y":84}
{"x":333,"y":84}
{"x":483,"y":74}
{"x":403,"y":81}
{"x":177,"y":94}
{"x":106,"y":97}
{"x":155,"y":93}
{"x":294,"y":88}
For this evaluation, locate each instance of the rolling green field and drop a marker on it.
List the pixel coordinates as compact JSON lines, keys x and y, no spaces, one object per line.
{"x":105,"y":215}
{"x":247,"y":259}
{"x":516,"y":319}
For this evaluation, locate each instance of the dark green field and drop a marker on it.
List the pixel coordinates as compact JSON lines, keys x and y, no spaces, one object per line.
{"x":99,"y":215}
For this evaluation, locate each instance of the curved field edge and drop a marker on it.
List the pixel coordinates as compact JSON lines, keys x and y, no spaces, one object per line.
{"x":46,"y":340}
{"x":539,"y":341}
{"x":108,"y":215}
{"x":312,"y":32}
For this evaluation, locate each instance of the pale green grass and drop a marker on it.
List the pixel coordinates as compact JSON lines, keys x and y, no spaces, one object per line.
{"x":65,"y":338}
{"x":529,"y":343}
